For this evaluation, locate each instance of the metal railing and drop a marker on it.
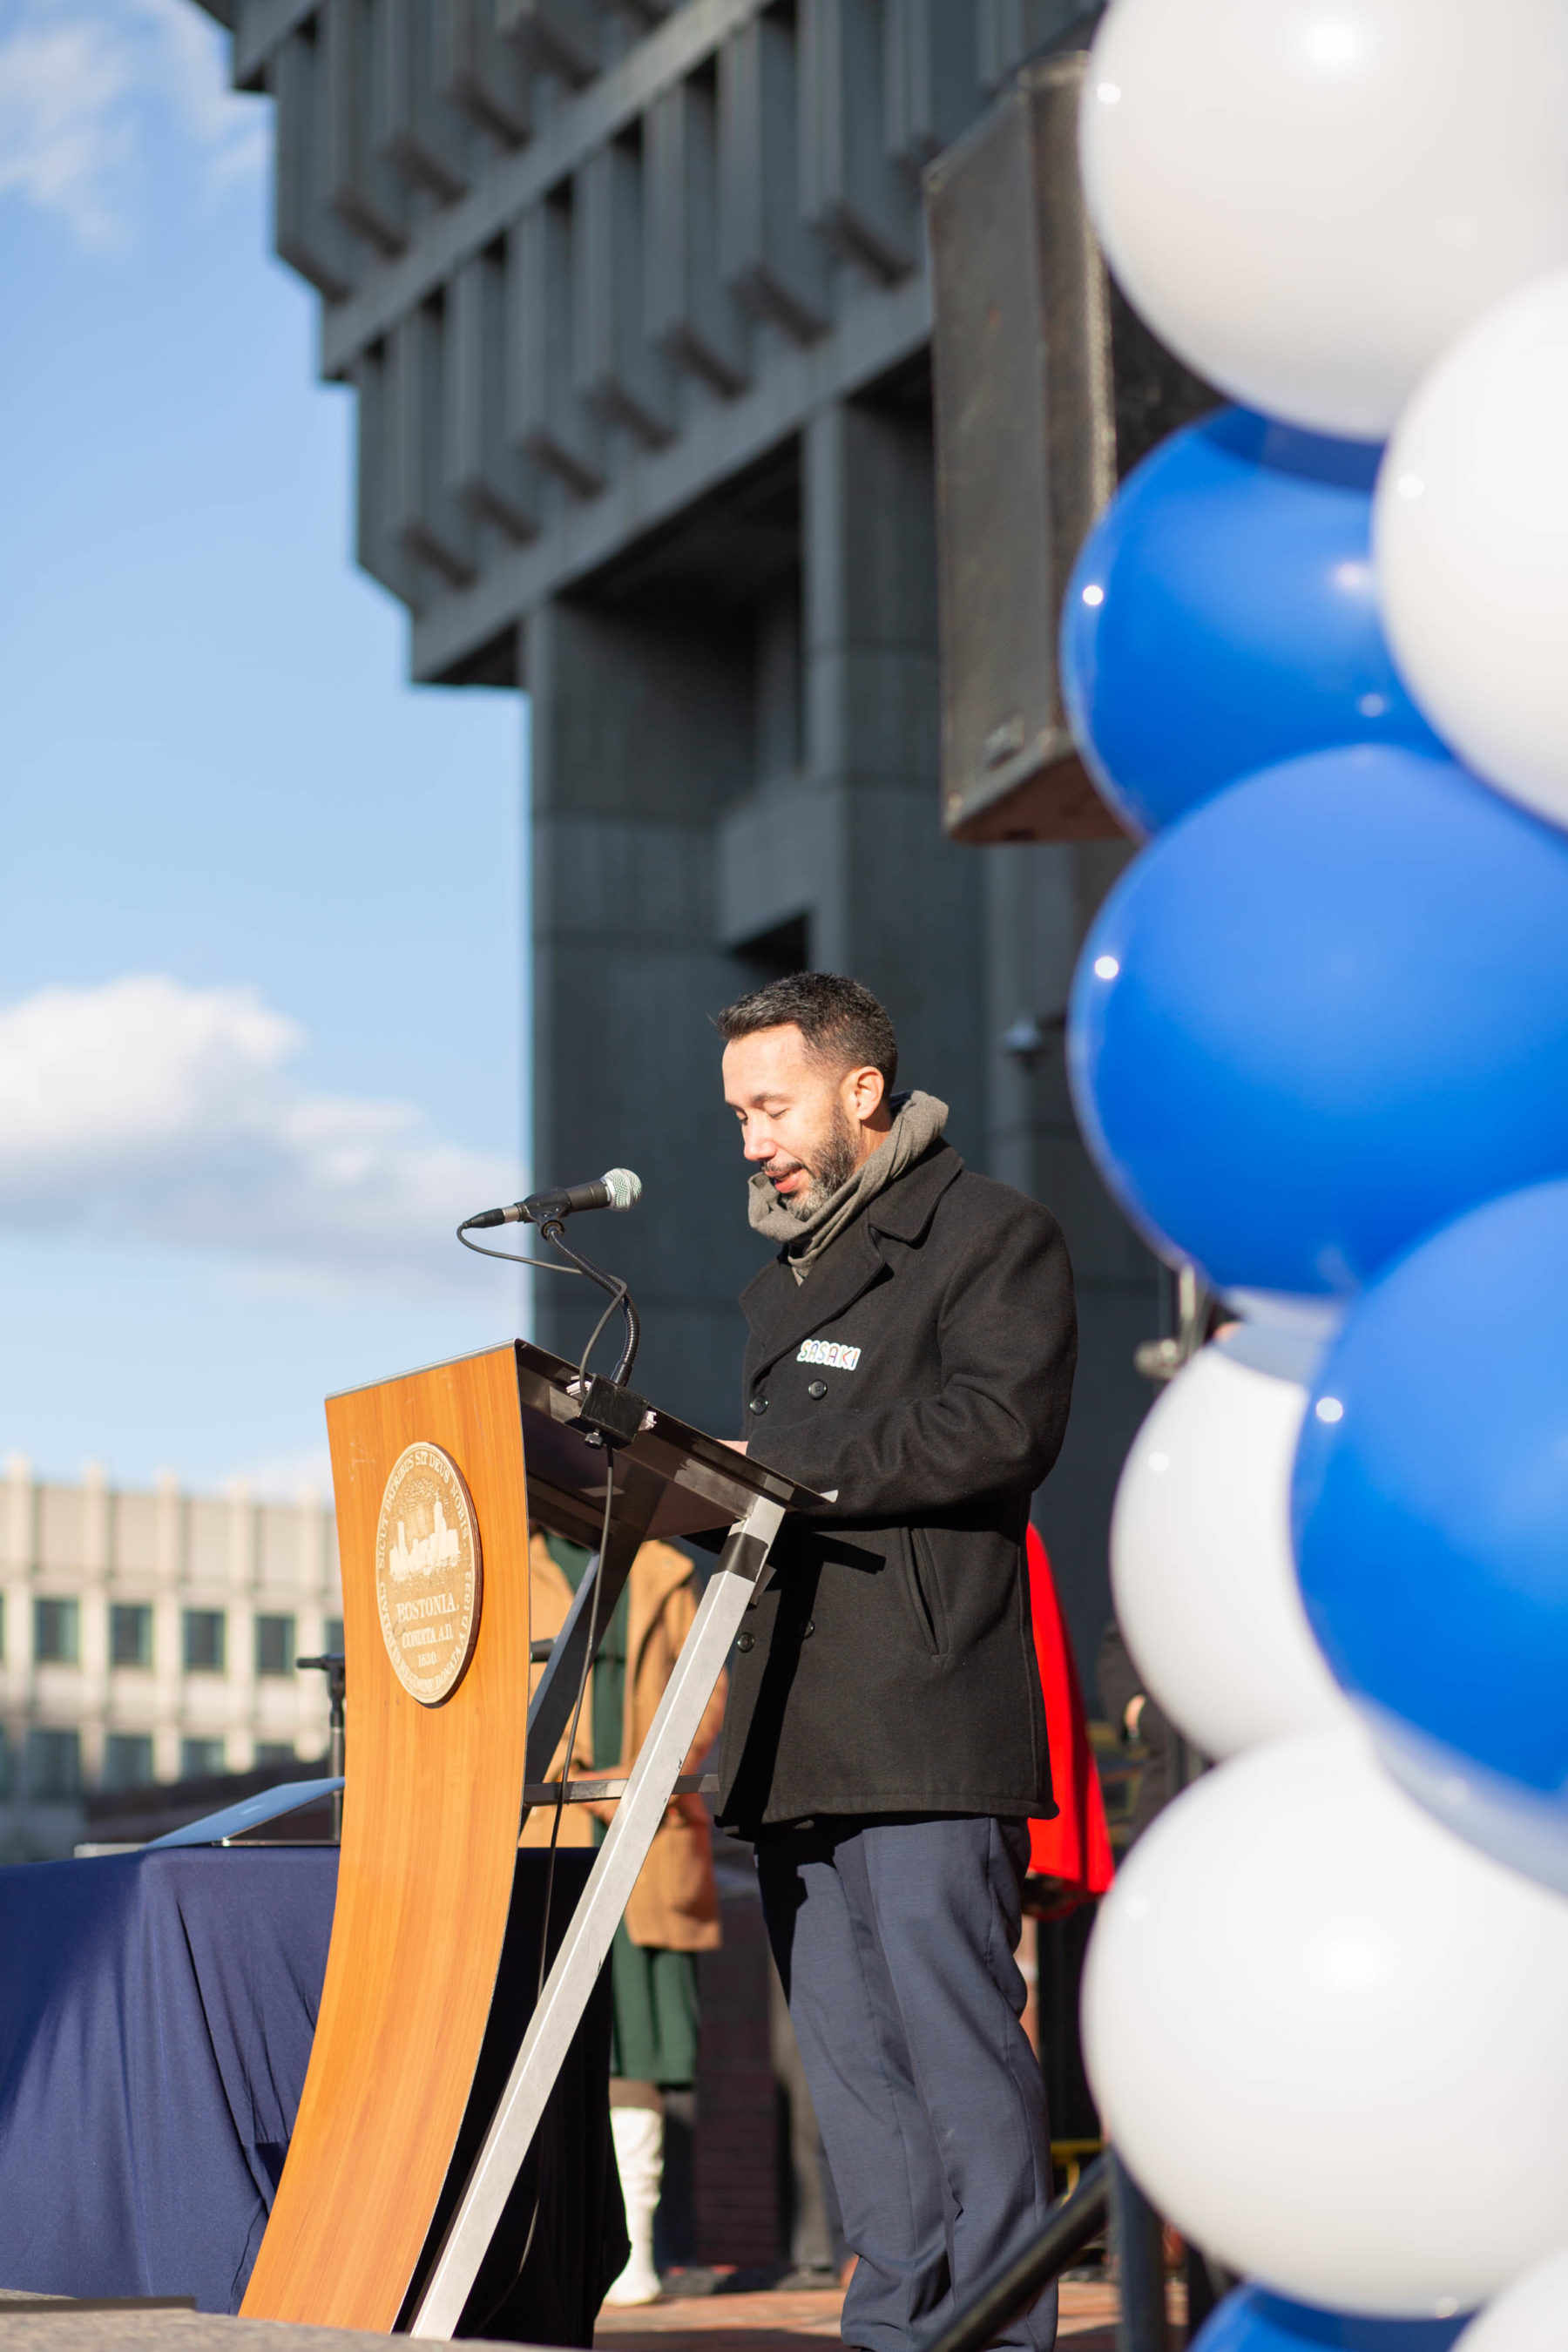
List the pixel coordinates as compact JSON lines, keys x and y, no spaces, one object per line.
{"x":1106,"y":2198}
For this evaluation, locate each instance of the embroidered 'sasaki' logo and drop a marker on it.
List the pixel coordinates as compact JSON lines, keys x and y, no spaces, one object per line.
{"x":828,"y":1351}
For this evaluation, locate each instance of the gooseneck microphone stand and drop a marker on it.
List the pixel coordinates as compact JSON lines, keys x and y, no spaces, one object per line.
{"x":610,"y":1413}
{"x":553,"y":1232}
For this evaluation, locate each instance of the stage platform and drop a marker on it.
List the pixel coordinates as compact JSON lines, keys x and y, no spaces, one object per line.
{"x":771,"y":2320}
{"x":71,"y":2327}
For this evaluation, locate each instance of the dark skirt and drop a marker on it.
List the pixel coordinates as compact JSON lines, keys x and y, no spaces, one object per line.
{"x":655,"y":2035}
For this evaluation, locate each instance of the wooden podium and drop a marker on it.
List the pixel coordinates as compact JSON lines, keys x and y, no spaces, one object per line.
{"x":438,"y":1477}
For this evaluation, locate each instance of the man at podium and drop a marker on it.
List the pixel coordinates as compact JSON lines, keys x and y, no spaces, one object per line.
{"x":911,"y":1358}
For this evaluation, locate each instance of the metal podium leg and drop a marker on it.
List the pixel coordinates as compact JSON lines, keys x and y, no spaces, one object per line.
{"x":588,"y":1938}
{"x":550,"y":1710}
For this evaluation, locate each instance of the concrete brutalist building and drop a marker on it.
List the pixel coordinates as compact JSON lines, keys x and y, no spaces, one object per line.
{"x":634,"y":295}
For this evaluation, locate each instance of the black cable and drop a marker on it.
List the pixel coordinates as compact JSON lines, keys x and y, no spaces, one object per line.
{"x":620,"y":1296}
{"x":594,"y":1337}
{"x":511,"y":1257}
{"x":591,"y":1646}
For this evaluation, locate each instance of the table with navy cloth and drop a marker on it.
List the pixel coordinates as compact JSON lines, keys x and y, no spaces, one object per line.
{"x":156,"y":2014}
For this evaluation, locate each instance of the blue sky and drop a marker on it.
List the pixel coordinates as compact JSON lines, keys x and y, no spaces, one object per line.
{"x":260,"y":959}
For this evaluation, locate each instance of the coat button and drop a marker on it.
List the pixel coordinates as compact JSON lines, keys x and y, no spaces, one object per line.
{"x":817,"y":1388}
{"x":758,"y":1404}
{"x":810,"y":1628}
{"x":746,"y":1642}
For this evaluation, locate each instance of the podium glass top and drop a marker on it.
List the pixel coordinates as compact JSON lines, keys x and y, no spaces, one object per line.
{"x":671,"y":1480}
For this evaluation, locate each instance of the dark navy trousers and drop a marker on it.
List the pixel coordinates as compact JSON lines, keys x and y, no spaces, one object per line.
{"x":894,"y":1939}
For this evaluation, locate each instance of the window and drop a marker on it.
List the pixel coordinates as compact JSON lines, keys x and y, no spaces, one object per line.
{"x":274,"y":1751}
{"x":275,"y":1645}
{"x":200,"y":1759}
{"x":54,"y":1761}
{"x":56,"y":1634}
{"x":130,"y":1644}
{"x":204,"y":1641}
{"x":334,"y":1637}
{"x":128,"y":1756}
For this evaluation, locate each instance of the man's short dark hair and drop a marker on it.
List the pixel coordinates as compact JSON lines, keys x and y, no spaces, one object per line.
{"x":840,"y":1021}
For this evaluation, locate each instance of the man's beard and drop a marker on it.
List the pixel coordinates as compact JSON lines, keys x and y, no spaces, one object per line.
{"x":835,"y":1166}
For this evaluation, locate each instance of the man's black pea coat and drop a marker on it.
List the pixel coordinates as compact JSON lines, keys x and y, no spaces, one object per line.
{"x":922,"y":1371}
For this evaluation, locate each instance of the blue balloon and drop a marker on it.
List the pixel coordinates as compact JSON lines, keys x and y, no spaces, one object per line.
{"x":1324,"y":1014}
{"x":1222,"y":617}
{"x":1253,"y":2320}
{"x":1431,"y":1491}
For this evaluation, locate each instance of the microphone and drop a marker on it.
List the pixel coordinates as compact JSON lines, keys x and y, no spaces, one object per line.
{"x":618,"y":1188}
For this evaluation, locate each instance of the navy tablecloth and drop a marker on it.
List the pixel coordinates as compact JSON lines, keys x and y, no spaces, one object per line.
{"x":156,"y":2013}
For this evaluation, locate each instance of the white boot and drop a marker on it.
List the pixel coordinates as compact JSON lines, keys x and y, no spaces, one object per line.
{"x":638,"y":2135}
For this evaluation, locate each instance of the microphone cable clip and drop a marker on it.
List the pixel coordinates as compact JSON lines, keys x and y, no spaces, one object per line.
{"x":608,"y":1413}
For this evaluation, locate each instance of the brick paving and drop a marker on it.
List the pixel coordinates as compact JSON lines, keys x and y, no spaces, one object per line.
{"x":789,"y":2320}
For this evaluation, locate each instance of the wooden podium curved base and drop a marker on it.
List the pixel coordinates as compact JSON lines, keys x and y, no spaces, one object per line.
{"x":430,"y":1829}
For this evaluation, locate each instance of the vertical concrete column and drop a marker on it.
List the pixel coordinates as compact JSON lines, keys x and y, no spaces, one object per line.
{"x":1040,"y":902}
{"x":1029,"y":946}
{"x":897,"y":904}
{"x":238,"y":1727}
{"x":959,"y":941}
{"x":18,"y":1532}
{"x":96,"y":1507}
{"x":323,"y":1600}
{"x":640,"y":733}
{"x":168,"y":1634}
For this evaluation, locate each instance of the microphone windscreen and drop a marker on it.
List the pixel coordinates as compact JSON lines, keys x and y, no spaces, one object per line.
{"x":623,"y":1188}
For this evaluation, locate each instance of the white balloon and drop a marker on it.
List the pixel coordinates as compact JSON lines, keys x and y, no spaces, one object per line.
{"x":1471,"y":547}
{"x":1331,"y":2038}
{"x":1201,"y":1561}
{"x":1532,"y":2316}
{"x":1307,"y":199}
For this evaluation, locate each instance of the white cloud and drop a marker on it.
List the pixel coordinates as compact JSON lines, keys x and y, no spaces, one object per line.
{"x":147,"y":1111}
{"x":87,"y":85}
{"x":304,"y":1477}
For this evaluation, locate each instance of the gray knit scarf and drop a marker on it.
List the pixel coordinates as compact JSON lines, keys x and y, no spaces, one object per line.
{"x":918,"y":1120}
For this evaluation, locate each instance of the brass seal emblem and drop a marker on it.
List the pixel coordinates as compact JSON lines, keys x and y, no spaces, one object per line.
{"x":428,"y":1574}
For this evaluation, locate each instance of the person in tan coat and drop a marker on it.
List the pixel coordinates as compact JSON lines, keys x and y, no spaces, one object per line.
{"x":673,"y":1912}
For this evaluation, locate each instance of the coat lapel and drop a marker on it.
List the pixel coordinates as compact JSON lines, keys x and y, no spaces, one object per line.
{"x":783,"y":1312}
{"x":834,"y":1284}
{"x":905,"y":1209}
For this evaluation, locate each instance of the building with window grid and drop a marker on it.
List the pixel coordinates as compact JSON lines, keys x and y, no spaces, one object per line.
{"x":149,"y":1637}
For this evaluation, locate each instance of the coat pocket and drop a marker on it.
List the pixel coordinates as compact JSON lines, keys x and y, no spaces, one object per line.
{"x":925,"y":1591}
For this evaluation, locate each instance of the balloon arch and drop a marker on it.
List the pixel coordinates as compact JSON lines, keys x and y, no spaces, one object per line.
{"x":1316,"y":653}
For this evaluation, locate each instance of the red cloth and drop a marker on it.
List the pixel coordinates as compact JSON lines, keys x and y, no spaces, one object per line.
{"x":1076,"y":1847}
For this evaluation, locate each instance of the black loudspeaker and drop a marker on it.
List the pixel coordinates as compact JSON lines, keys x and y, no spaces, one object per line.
{"x":1048,"y":390}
